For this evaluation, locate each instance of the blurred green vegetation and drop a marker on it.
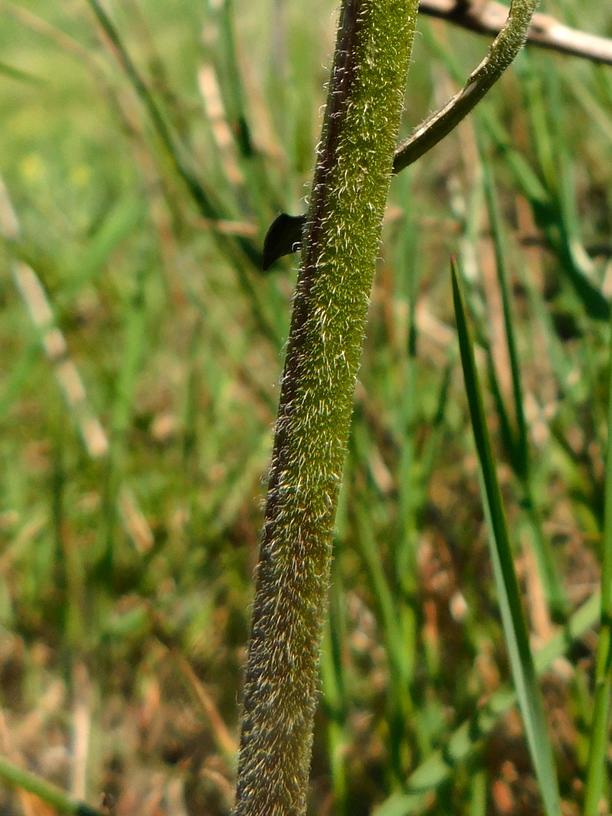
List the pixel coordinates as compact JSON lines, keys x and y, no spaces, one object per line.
{"x":130,"y":505}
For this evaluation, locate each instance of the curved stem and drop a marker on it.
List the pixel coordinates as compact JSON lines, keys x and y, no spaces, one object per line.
{"x":544,"y":31}
{"x":504,"y":49}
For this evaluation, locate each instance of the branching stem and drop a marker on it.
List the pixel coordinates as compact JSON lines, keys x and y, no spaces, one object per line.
{"x":284,"y":235}
{"x":503,"y":50}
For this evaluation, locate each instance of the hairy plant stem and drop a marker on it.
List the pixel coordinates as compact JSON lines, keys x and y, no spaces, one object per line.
{"x":503,"y":50}
{"x":340,"y":245}
{"x":285,"y":233}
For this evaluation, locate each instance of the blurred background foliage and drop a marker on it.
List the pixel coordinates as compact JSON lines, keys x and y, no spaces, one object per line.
{"x":141,"y":354}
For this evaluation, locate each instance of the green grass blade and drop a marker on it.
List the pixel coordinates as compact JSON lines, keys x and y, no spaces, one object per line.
{"x":521,"y":452}
{"x":122,"y":409}
{"x":542,"y":200}
{"x":205,"y":199}
{"x":21,"y":76}
{"x":513,"y":619}
{"x":400,"y":707}
{"x":519,"y":442}
{"x":548,"y":217}
{"x":478,"y":794}
{"x":121,"y":221}
{"x":598,"y":747}
{"x":465,"y":739}
{"x":47,"y":792}
{"x":225,"y":53}
{"x":334,"y":691}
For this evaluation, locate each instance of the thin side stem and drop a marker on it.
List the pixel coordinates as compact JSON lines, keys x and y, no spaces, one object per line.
{"x":285,"y":233}
{"x":503,"y":50}
{"x":544,"y":31}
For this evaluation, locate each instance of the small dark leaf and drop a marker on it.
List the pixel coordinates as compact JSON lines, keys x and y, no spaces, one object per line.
{"x":283,"y":238}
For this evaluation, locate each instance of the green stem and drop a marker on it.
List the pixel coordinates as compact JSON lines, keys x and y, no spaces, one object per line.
{"x":597,"y":777}
{"x":341,"y":240}
{"x":14,"y":775}
{"x":503,"y":50}
{"x":284,"y":235}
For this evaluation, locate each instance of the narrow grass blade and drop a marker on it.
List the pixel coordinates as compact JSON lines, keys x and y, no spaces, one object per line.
{"x":598,"y":747}
{"x":513,"y":619}
{"x":119,"y":223}
{"x":334,"y":691}
{"x":478,"y":794}
{"x":520,"y":454}
{"x":226,"y":56}
{"x":50,"y":794}
{"x":203,"y":198}
{"x":548,"y":217}
{"x":236,"y":248}
{"x":21,"y":76}
{"x":261,"y":191}
{"x":517,"y":440}
{"x":400,"y":706}
{"x":466,"y":738}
